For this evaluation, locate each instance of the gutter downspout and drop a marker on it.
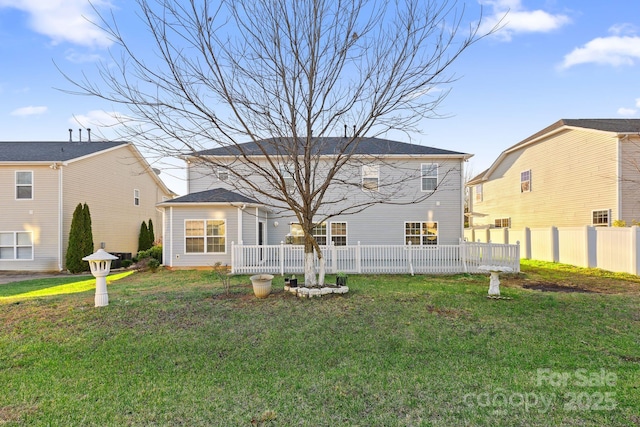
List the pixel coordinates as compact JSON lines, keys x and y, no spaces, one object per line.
{"x":619,"y":179}
{"x":60,"y":217}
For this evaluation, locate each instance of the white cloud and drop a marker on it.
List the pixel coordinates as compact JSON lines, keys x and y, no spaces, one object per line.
{"x":76,"y":57}
{"x":613,"y":50}
{"x":64,"y":20}
{"x":626,"y":112}
{"x":513,"y":18}
{"x":29,"y":111}
{"x":638,"y":102}
{"x":98,"y":119}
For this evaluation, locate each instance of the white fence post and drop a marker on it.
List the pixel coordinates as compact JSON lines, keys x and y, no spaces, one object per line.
{"x":359,"y":258}
{"x":634,"y":250}
{"x":555,"y":248}
{"x":233,"y":253}
{"x":281,"y":251}
{"x":591,"y":250}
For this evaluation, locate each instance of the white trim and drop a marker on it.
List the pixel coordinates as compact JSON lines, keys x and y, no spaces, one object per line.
{"x":422,"y":176}
{"x":15,"y":185}
{"x":15,"y":246}
{"x":184,"y":243}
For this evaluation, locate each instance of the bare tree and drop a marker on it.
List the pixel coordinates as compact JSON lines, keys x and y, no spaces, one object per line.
{"x":270,"y":81}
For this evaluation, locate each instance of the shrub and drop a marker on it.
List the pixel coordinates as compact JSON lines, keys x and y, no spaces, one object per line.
{"x":126,"y":263}
{"x":153,"y":264}
{"x":153,"y":252}
{"x":80,"y":240}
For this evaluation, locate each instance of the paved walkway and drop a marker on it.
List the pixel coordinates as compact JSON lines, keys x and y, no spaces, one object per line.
{"x":18,"y":276}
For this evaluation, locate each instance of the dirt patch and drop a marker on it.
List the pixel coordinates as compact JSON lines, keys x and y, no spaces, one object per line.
{"x":553,"y":287}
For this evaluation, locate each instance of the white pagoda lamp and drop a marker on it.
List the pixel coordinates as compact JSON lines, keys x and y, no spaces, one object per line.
{"x":100,"y":264}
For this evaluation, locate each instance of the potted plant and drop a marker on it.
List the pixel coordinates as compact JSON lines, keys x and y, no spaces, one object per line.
{"x":261,"y":284}
{"x":293,"y":282}
{"x":341,"y":278}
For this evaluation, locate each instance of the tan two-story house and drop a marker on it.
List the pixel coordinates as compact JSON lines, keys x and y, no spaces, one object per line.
{"x":576,"y":172}
{"x":41,"y":183}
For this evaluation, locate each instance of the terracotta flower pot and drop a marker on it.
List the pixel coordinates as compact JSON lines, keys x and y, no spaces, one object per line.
{"x":261,"y":285}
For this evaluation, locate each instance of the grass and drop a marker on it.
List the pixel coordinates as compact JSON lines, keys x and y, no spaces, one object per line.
{"x":173,"y":348}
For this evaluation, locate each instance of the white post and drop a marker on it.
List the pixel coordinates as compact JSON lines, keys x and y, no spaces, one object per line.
{"x":100,"y":264}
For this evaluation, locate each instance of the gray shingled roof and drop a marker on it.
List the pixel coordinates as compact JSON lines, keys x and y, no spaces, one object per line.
{"x":606,"y":125}
{"x":216,"y":195}
{"x":331,"y":145}
{"x":25,"y":151}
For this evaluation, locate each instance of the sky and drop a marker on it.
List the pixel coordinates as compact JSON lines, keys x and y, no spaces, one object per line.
{"x":551,"y":60}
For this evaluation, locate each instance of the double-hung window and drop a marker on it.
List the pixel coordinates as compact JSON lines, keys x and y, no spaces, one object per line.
{"x":502,"y":222}
{"x":421,"y":233}
{"x":525,"y":181}
{"x":24,"y":185}
{"x":478,"y":191}
{"x":370,"y":177}
{"x":205,"y":236}
{"x":136,"y":197}
{"x":600,"y":218}
{"x":429,"y":173}
{"x":16,"y":245}
{"x":296,"y":235}
{"x":287,"y":176}
{"x":339,"y":233}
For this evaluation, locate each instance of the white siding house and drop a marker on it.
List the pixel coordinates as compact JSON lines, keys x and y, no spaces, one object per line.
{"x":217,"y":211}
{"x":576,"y":172}
{"x":43,"y":182}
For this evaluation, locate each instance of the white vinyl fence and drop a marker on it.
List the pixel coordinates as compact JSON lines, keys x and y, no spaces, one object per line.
{"x":608,"y":248}
{"x":383,"y":259}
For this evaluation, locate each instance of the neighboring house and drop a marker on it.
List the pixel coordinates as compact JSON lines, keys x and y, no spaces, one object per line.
{"x":201,"y":226}
{"x":43,"y":182}
{"x":572,"y":173}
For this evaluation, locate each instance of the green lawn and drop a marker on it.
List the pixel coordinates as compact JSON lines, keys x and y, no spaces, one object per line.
{"x":172,"y":349}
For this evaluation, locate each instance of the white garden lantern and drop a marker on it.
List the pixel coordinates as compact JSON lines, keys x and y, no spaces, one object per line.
{"x":100,"y":264}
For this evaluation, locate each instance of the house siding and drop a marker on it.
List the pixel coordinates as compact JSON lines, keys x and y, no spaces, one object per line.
{"x":630,"y":179}
{"x":39,"y":215}
{"x":175,"y":218}
{"x":572,"y":173}
{"x":115,"y":219}
{"x":378,"y":224}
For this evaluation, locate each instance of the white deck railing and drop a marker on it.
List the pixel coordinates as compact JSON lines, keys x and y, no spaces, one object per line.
{"x":382,"y":259}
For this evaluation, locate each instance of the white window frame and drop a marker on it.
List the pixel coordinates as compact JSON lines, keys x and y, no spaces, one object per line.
{"x":296,"y":235}
{"x":601,"y":224}
{"x":478,"y":193}
{"x":20,"y":185}
{"x":500,"y":222}
{"x":370,"y":178}
{"x":525,"y":184}
{"x":341,"y":236}
{"x":16,"y":245}
{"x":427,"y":175}
{"x":222,"y":174}
{"x":205,"y":236}
{"x":287,"y":176}
{"x":423,"y":235}
{"x":136,"y":197}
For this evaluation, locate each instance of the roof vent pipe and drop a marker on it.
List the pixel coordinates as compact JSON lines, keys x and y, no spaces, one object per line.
{"x":80,"y":135}
{"x":70,"y":135}
{"x":345,"y":130}
{"x":89,"y":134}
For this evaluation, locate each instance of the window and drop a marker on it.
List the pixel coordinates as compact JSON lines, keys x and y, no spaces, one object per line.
{"x":600,"y":218}
{"x":429,"y":176}
{"x":296,"y":235}
{"x":222,"y":174}
{"x":370,"y":177}
{"x":24,"y":185}
{"x":478,"y":190}
{"x":285,"y":172}
{"x":525,"y":181}
{"x":16,"y":245}
{"x":205,"y":236}
{"x":502,"y":222}
{"x":421,"y":233}
{"x":339,"y":233}
{"x":136,"y":197}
